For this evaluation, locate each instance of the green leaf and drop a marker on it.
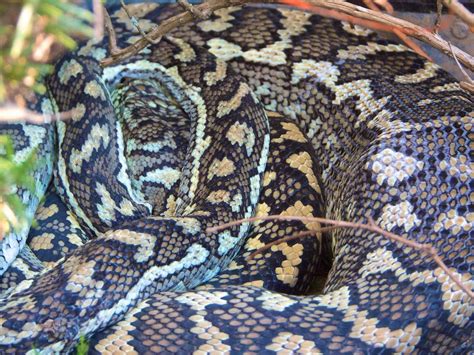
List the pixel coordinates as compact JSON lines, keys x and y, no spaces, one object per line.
{"x":83,"y":346}
{"x":63,"y":38}
{"x":73,"y":25}
{"x":78,"y":11}
{"x":6,"y":147}
{"x":49,"y":10}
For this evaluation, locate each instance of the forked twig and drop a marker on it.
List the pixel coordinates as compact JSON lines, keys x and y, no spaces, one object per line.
{"x":460,"y":11}
{"x":345,"y":11}
{"x":195,"y":11}
{"x":371,"y":227}
{"x":380,"y":5}
{"x":135,"y":23}
{"x":334,"y":8}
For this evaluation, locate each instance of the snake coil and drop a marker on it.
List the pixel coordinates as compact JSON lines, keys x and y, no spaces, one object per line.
{"x":255,"y":111}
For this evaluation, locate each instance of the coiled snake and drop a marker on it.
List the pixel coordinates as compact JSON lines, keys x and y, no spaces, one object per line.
{"x":173,"y":141}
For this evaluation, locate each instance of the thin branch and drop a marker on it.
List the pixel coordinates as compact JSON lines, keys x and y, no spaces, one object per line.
{"x":379,"y":5}
{"x":385,"y":5}
{"x":7,"y":218}
{"x":291,"y":238}
{"x":354,"y":14}
{"x":439,"y":14}
{"x":371,"y":227}
{"x":460,"y":10}
{"x":24,"y":28}
{"x":460,"y":66}
{"x":469,"y":84}
{"x":172,"y":23}
{"x":339,"y":9}
{"x":109,"y":27}
{"x":13,"y":113}
{"x":411,"y":44}
{"x":135,"y":23}
{"x":193,"y":10}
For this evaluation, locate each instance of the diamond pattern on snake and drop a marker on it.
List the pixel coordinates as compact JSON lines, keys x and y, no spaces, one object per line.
{"x":255,"y":111}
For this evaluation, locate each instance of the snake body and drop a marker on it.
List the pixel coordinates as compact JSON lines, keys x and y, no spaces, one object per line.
{"x":177,"y":139}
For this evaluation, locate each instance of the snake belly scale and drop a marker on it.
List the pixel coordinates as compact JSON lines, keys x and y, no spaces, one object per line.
{"x":255,"y":111}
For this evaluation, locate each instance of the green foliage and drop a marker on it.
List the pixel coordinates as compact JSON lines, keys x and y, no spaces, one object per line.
{"x":37,"y":19}
{"x":13,"y":174}
{"x":28,"y":30}
{"x":83,"y":346}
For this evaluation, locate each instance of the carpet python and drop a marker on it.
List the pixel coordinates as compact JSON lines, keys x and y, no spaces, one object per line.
{"x":254,"y":111}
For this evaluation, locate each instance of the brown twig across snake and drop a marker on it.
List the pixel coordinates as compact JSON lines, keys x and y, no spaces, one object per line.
{"x":370,"y":226}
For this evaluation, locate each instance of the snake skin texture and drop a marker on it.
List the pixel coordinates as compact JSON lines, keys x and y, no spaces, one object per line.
{"x":255,"y":111}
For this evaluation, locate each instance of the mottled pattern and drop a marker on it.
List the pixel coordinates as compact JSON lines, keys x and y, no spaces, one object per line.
{"x":87,"y":291}
{"x":359,"y":128}
{"x":155,"y":147}
{"x":28,"y":139}
{"x":289,"y":267}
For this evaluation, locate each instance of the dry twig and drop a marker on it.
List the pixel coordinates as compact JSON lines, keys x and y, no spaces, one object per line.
{"x":334,"y":8}
{"x":468,"y":86}
{"x":439,"y":14}
{"x":379,"y":21}
{"x":14,"y":113}
{"x":290,"y":238}
{"x":109,"y":27}
{"x":379,"y":5}
{"x":385,"y":5}
{"x":371,"y":227}
{"x":460,"y":10}
{"x":135,"y":24}
{"x":42,"y":47}
{"x":170,"y":24}
{"x":193,"y":10}
{"x":469,"y":83}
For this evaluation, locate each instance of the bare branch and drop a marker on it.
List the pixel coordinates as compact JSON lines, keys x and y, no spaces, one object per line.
{"x":109,"y":27}
{"x":172,"y":23}
{"x":380,"y":5}
{"x":459,"y":10}
{"x":193,"y":10}
{"x":467,"y":86}
{"x":13,"y":113}
{"x":439,"y":14}
{"x":383,"y":22}
{"x":371,"y":227}
{"x":335,"y":8}
{"x":469,"y":83}
{"x":135,"y":23}
{"x":290,"y":238}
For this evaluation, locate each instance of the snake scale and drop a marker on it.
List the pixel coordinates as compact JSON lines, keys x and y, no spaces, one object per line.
{"x":255,"y":111}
